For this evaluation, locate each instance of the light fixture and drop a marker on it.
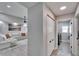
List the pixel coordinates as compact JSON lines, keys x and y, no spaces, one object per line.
{"x":63,"y":7}
{"x":1,"y":22}
{"x":15,"y":24}
{"x":8,"y":6}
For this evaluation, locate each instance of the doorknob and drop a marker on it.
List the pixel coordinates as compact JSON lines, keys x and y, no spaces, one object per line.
{"x":49,"y":41}
{"x":77,"y":38}
{"x":71,"y":22}
{"x":71,"y":34}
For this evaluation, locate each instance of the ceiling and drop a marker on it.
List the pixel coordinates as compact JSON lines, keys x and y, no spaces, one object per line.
{"x":12,"y":12}
{"x":13,"y":8}
{"x":55,"y":7}
{"x":28,"y":4}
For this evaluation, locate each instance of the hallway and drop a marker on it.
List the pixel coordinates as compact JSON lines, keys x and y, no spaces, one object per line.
{"x":63,"y":50}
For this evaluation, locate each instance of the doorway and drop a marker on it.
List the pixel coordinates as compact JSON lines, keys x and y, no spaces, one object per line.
{"x":64,"y":39}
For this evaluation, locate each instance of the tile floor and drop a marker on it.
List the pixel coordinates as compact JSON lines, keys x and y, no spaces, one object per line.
{"x":63,"y":50}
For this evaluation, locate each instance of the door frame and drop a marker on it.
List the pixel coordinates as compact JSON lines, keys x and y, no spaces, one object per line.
{"x":70,"y":19}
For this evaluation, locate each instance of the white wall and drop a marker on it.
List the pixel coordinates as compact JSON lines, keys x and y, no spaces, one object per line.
{"x":10,"y":19}
{"x":77,"y":10}
{"x":46,"y":12}
{"x":76,"y":42}
{"x":35,"y":29}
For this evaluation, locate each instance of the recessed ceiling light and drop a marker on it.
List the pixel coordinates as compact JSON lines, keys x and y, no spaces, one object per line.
{"x":63,"y":8}
{"x":15,"y":24}
{"x":8,"y":6}
{"x":1,"y":22}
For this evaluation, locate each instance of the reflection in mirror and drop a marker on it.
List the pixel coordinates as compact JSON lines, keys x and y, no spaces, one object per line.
{"x":13,"y":29}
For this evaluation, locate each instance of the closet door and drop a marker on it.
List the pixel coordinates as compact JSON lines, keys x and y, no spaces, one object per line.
{"x":50,"y":35}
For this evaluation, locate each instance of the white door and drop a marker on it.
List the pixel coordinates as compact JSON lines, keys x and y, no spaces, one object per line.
{"x":75,"y":44}
{"x":50,"y":35}
{"x":77,"y":36}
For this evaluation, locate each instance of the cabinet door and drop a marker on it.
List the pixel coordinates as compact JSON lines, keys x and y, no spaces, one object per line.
{"x":50,"y":35}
